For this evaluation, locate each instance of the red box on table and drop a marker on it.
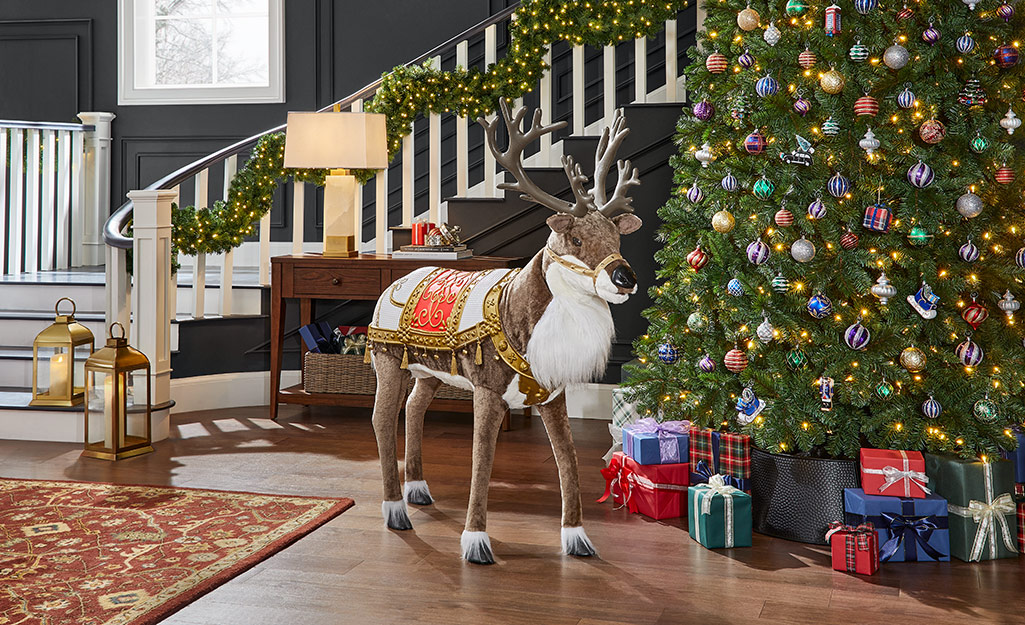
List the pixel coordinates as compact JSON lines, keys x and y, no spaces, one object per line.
{"x":893,"y":472}
{"x":854,"y":549}
{"x":658,"y":491}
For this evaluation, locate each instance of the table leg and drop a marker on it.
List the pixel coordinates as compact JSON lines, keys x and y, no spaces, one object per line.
{"x":277,"y":337}
{"x":305,"y":318}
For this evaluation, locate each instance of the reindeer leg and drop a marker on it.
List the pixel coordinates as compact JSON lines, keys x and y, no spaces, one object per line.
{"x":574,"y":540}
{"x":391,"y":386}
{"x":488,"y":411}
{"x":415,"y":489}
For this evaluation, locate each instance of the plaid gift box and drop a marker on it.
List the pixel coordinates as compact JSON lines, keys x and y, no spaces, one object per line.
{"x":854,"y":549}
{"x":724,"y":453}
{"x":624,"y":412}
{"x":877,"y":218}
{"x":1020,"y":506}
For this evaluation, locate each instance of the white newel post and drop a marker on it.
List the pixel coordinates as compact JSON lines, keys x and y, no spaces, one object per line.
{"x":97,"y":186}
{"x":152,"y":317}
{"x":119,"y":288}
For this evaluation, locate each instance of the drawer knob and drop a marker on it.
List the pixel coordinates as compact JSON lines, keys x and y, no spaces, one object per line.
{"x":335,"y":281}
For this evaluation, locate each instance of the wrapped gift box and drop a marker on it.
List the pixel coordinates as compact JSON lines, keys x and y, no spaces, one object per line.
{"x":896,"y":473}
{"x":1017,"y":458}
{"x":719,"y":515}
{"x":720,"y":453}
{"x":1020,"y":505}
{"x":654,"y":490}
{"x":649,"y":442}
{"x":624,"y":412}
{"x":854,"y":549}
{"x":973,"y":490}
{"x":909,"y":529}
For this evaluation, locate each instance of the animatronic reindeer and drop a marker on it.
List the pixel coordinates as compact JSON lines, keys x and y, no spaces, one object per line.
{"x":514,"y":337}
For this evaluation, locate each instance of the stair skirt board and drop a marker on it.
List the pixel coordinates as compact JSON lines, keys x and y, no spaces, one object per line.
{"x":63,"y":426}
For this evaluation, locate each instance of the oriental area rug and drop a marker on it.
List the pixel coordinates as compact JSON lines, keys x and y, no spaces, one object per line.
{"x":105,"y":554}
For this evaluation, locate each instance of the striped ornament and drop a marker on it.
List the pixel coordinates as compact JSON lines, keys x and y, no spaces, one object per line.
{"x":754,"y":143}
{"x":905,"y":14}
{"x":859,"y":52}
{"x":807,"y":59}
{"x":830,"y":127}
{"x":819,"y":306}
{"x":931,"y":408}
{"x":865,"y":6}
{"x":780,"y":284}
{"x":965,"y":43}
{"x":866,"y":105}
{"x":969,"y":253}
{"x":920,"y":175}
{"x":716,"y":63}
{"x":906,"y":98}
{"x":974,"y":314}
{"x":735,"y":360}
{"x":735,"y":288}
{"x":848,"y":240}
{"x":706,"y":364}
{"x":930,"y":35}
{"x":729,"y":182}
{"x":757,"y":252}
{"x":1004,"y":175}
{"x":784,"y":218}
{"x":1019,"y":257}
{"x":857,"y":336}
{"x":817,"y":210}
{"x":969,"y":352}
{"x":694,"y":193}
{"x":838,"y":186}
{"x":1005,"y":11}
{"x":746,"y":60}
{"x":802,"y":106}
{"x":704,"y":110}
{"x":697,"y":258}
{"x":766,"y":86}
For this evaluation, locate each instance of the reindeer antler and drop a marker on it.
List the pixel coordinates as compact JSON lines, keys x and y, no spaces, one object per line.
{"x":604,"y":157}
{"x":512,"y":160}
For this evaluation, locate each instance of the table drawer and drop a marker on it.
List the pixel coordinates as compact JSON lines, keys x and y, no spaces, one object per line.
{"x":337,"y":282}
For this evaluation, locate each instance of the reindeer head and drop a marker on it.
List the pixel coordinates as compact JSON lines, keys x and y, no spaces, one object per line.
{"x":583,"y":249}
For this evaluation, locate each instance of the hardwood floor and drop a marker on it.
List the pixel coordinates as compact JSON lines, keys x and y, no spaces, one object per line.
{"x":353,"y":570}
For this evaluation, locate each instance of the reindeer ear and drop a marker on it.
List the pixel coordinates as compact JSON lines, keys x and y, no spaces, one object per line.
{"x":560,"y":223}
{"x":627,"y":222}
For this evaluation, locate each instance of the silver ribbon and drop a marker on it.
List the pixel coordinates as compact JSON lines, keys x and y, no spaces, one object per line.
{"x":892,"y":475}
{"x":703,"y":505}
{"x":989,"y":515}
{"x":643,"y":482}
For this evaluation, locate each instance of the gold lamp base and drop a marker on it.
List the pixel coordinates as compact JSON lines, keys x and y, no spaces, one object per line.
{"x":340,"y":246}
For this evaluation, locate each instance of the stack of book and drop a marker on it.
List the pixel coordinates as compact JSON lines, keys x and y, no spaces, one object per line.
{"x":436,"y":252}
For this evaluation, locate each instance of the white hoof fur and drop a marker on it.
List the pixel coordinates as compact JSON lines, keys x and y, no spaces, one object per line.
{"x":416,"y":491}
{"x":476,"y":547}
{"x":395,"y":515}
{"x":576,"y":543}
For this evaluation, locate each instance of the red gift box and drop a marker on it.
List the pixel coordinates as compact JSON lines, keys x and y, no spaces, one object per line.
{"x":658,"y":491}
{"x":854,"y":549}
{"x":893,"y":472}
{"x":1020,"y":507}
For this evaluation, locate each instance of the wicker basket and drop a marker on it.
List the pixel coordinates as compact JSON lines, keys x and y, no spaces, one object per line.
{"x":347,"y":373}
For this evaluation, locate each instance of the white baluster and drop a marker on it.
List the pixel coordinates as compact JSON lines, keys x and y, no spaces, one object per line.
{"x":490,"y":56}
{"x":16,"y":207}
{"x":357,"y":213}
{"x":97,"y":182}
{"x":3,"y":193}
{"x":265,"y":249}
{"x":641,"y":70}
{"x":118,"y":284}
{"x":298,"y":215}
{"x":608,"y":62}
{"x":199,"y":267}
{"x":671,"y":69}
{"x":381,"y":212}
{"x":48,"y":236}
{"x":434,"y":161}
{"x":408,"y":156}
{"x":32,"y":202}
{"x":63,"y":219}
{"x":578,"y":90}
{"x":462,"y":143}
{"x":228,"y":262}
{"x":77,"y":198}
{"x":545,"y":96}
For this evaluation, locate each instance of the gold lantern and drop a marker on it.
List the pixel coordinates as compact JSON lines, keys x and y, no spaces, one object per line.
{"x":58,"y":356}
{"x":117,"y":417}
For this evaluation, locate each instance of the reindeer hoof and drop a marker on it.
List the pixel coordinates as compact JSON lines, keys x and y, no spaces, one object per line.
{"x":476,"y":547}
{"x":576,"y":543}
{"x":395,"y":515}
{"x":416,"y":492}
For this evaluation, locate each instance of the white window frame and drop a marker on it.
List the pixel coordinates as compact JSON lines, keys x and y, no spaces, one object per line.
{"x":129,"y":94}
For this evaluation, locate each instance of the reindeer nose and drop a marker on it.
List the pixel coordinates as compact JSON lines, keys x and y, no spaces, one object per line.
{"x":624,"y":277}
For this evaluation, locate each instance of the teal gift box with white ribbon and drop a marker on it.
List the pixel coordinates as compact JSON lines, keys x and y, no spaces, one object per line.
{"x":719,"y":515}
{"x":980,"y":503}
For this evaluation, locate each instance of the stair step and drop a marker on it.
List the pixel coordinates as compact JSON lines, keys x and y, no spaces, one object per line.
{"x":21,"y":326}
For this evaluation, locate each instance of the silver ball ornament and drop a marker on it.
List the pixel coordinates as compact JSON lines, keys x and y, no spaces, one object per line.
{"x":969,"y":205}
{"x":896,"y":56}
{"x":802,"y":250}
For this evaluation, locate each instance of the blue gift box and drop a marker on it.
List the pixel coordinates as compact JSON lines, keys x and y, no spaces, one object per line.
{"x":646,"y":447}
{"x":910,"y":530}
{"x":1018,"y":458}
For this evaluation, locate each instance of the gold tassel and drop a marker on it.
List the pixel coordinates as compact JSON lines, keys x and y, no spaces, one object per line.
{"x":366,"y":354}
{"x":478,"y":358}
{"x":405,"y":358}
{"x":455,"y":365}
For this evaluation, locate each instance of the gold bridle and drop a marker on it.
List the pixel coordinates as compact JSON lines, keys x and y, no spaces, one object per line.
{"x":584,"y":270}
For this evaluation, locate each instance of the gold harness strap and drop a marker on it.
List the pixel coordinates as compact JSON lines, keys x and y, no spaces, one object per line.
{"x":583,"y":269}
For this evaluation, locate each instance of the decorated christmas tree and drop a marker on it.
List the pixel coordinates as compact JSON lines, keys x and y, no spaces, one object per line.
{"x":843,"y":258}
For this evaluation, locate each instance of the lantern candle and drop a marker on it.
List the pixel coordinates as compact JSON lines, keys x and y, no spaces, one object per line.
{"x":58,"y":375}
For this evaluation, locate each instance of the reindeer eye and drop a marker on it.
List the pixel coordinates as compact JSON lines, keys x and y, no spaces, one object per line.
{"x":577,"y":242}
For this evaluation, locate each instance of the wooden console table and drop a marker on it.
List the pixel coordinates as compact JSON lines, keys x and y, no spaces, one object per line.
{"x":309,"y":277}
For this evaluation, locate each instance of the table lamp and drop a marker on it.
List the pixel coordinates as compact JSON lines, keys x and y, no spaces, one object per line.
{"x":339,"y":142}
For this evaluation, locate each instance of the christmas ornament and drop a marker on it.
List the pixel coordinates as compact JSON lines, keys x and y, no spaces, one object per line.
{"x":765,"y":332}
{"x":694,"y":193}
{"x":716,"y":63}
{"x":969,"y":205}
{"x":830,"y":127}
{"x":968,"y":252}
{"x":1010,"y":122}
{"x":668,"y":354}
{"x":800,"y":156}
{"x":734,"y":287}
{"x":817,"y":210}
{"x":865,"y":6}
{"x":722,"y":221}
{"x":772,"y":34}
{"x":704,"y":155}
{"x":802,"y":106}
{"x":931,"y":408}
{"x":802,"y":250}
{"x":784,"y":218}
{"x":985,"y":410}
{"x":866,"y":105}
{"x":932,"y":131}
{"x":896,"y":56}
{"x":878,"y":218}
{"x":920,"y":175}
{"x":971,"y":4}
{"x":704,"y":110}
{"x":754,"y":143}
{"x":974,"y":314}
{"x":826,"y":393}
{"x":807,"y":59}
{"x":832,"y":82}
{"x":884,"y":390}
{"x":972,"y":93}
{"x":832,"y":23}
{"x":965,"y":43}
{"x":697,"y":258}
{"x":729,"y":182}
{"x":979,"y":144}
{"x":1008,"y":304}
{"x":1004,"y":175}
{"x":735,"y":360}
{"x":858,"y":52}
{"x":766,"y":86}
{"x":706,"y":364}
{"x":697,"y":322}
{"x":906,"y":99}
{"x":819,"y":306}
{"x":1006,"y":56}
{"x":748,"y":19}
{"x":883,"y":289}
{"x":796,"y":359}
{"x":919,"y":236}
{"x":912,"y":359}
{"x":905,"y":13}
{"x":1005,"y":11}
{"x":748,"y":406}
{"x":848,"y":240}
{"x":738,"y":108}
{"x":796,"y":7}
{"x":1019,"y":257}
{"x":930,"y":35}
{"x":969,"y":352}
{"x":857,"y":336}
{"x":746,"y":60}
{"x":924,"y":301}
{"x":869,"y":143}
{"x":780,"y":284}
{"x":838,"y":186}
{"x":763,"y":188}
{"x":757,"y":252}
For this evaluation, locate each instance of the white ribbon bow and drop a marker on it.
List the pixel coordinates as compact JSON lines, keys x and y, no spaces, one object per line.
{"x":717,"y":486}
{"x":892,"y":475}
{"x":989,"y":515}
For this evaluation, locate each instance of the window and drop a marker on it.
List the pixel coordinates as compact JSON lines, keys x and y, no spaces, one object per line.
{"x":200,"y":51}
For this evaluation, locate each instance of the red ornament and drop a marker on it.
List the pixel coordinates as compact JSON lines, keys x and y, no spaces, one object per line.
{"x":849,"y":240}
{"x":932,"y":131}
{"x":716,"y":62}
{"x":866,"y":105}
{"x":755,"y":143}
{"x":697,"y":258}
{"x":905,"y":13}
{"x":735,"y":360}
{"x":1004,"y":175}
{"x":784,"y":218}
{"x":807,"y":59}
{"x":1006,"y":56}
{"x":974,"y":314}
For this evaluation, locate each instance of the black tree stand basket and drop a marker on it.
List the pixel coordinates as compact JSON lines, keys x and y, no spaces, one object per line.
{"x":796,"y":498}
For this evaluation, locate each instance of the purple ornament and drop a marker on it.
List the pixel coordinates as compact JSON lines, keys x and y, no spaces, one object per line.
{"x":704,"y":110}
{"x":969,"y":253}
{"x":969,"y":352}
{"x":920,"y":175}
{"x":802,"y":106}
{"x":857,"y":336}
{"x":746,"y":60}
{"x":817,"y":210}
{"x":694,"y":193}
{"x":706,"y":364}
{"x":757,"y":252}
{"x":930,"y":35}
{"x":1005,"y":11}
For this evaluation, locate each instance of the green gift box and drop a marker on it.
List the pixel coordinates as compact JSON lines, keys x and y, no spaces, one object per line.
{"x":980,"y":500}
{"x":719,"y":515}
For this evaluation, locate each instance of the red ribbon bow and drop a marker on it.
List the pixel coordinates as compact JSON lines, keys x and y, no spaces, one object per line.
{"x":617,"y":473}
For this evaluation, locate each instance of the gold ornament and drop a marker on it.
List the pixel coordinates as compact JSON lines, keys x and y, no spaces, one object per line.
{"x":748,"y":19}
{"x":832,"y":82}
{"x":912,"y":359}
{"x":723,"y":221}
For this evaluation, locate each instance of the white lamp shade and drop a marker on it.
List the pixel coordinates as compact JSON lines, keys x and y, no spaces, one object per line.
{"x":336,"y":141}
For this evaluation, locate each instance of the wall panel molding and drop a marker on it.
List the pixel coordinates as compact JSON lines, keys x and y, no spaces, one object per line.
{"x":58,"y":48}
